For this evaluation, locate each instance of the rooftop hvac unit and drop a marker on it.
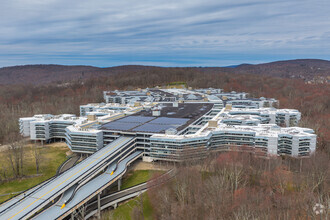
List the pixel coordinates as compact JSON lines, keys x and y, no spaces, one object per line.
{"x":171,"y":131}
{"x":156,"y":112}
{"x":228,"y":107}
{"x":213,"y":124}
{"x":91,"y":117}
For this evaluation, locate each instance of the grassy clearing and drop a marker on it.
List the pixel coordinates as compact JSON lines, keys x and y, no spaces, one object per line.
{"x":53,"y":155}
{"x":132,"y":178}
{"x":124,"y":211}
{"x":136,"y":177}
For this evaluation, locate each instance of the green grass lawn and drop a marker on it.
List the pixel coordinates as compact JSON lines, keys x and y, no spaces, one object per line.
{"x":130,"y":179}
{"x":136,"y":177}
{"x":52,"y":158}
{"x":124,"y":211}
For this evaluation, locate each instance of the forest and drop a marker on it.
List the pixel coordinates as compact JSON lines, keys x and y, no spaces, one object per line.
{"x":23,"y":100}
{"x":227,"y":186}
{"x":305,"y":69}
{"x":238,"y":185}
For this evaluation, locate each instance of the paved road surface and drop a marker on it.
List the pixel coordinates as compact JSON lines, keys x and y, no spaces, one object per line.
{"x":88,"y":189}
{"x":41,"y":197}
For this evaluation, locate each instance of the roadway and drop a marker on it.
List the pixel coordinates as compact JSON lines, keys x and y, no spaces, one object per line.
{"x":64,"y":167}
{"x":9,"y":203}
{"x":82,"y":194}
{"x":67,"y":164}
{"x":36,"y":199}
{"x":117,"y":197}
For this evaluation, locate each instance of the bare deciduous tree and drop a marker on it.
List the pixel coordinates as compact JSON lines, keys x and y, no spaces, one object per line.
{"x":137,"y":212}
{"x":238,"y":186}
{"x":15,"y":156}
{"x":36,"y":154}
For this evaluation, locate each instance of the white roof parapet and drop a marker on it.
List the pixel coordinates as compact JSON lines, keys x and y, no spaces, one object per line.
{"x":269,"y":129}
{"x":54,"y":118}
{"x":264,"y":110}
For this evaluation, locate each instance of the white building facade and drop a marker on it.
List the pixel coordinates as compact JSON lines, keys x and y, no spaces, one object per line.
{"x":219,"y":122}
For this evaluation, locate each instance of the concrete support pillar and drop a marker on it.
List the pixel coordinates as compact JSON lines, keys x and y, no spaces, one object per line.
{"x":83,"y":212}
{"x":115,"y":206}
{"x":72,"y":216}
{"x":119,"y":184}
{"x":99,"y":206}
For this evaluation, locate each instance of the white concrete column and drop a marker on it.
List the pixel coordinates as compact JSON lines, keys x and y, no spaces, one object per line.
{"x":83,"y":211}
{"x":99,"y":206}
{"x":119,"y":184}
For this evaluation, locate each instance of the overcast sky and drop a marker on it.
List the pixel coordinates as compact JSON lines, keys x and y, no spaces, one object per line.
{"x":164,"y":33}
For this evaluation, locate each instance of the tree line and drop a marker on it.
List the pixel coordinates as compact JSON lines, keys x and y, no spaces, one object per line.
{"x":238,"y":185}
{"x":231,"y":186}
{"x":26,"y":100}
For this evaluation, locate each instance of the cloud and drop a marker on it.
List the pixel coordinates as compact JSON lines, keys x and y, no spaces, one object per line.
{"x":170,"y":33}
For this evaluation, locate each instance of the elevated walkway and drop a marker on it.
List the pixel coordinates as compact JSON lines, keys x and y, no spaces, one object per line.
{"x":115,"y":198}
{"x":25,"y":206}
{"x":88,"y":190}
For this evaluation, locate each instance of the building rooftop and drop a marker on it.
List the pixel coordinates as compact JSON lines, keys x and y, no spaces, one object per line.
{"x":267,"y":130}
{"x":54,"y":118}
{"x":170,"y":117}
{"x":258,"y":111}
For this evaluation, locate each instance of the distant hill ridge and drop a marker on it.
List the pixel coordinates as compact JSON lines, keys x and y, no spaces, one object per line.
{"x":306,"y":69}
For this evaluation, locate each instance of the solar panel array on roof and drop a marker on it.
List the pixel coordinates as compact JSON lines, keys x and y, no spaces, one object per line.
{"x":145,"y":124}
{"x":121,"y":126}
{"x":154,"y":127}
{"x":140,"y":119}
{"x":169,"y":121}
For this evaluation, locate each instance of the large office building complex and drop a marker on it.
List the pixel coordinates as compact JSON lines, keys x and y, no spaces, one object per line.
{"x":47,"y":127}
{"x":176,"y":124}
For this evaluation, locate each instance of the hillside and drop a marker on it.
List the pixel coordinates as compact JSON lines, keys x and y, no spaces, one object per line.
{"x":309,"y":70}
{"x":38,"y":74}
{"x":303,"y":69}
